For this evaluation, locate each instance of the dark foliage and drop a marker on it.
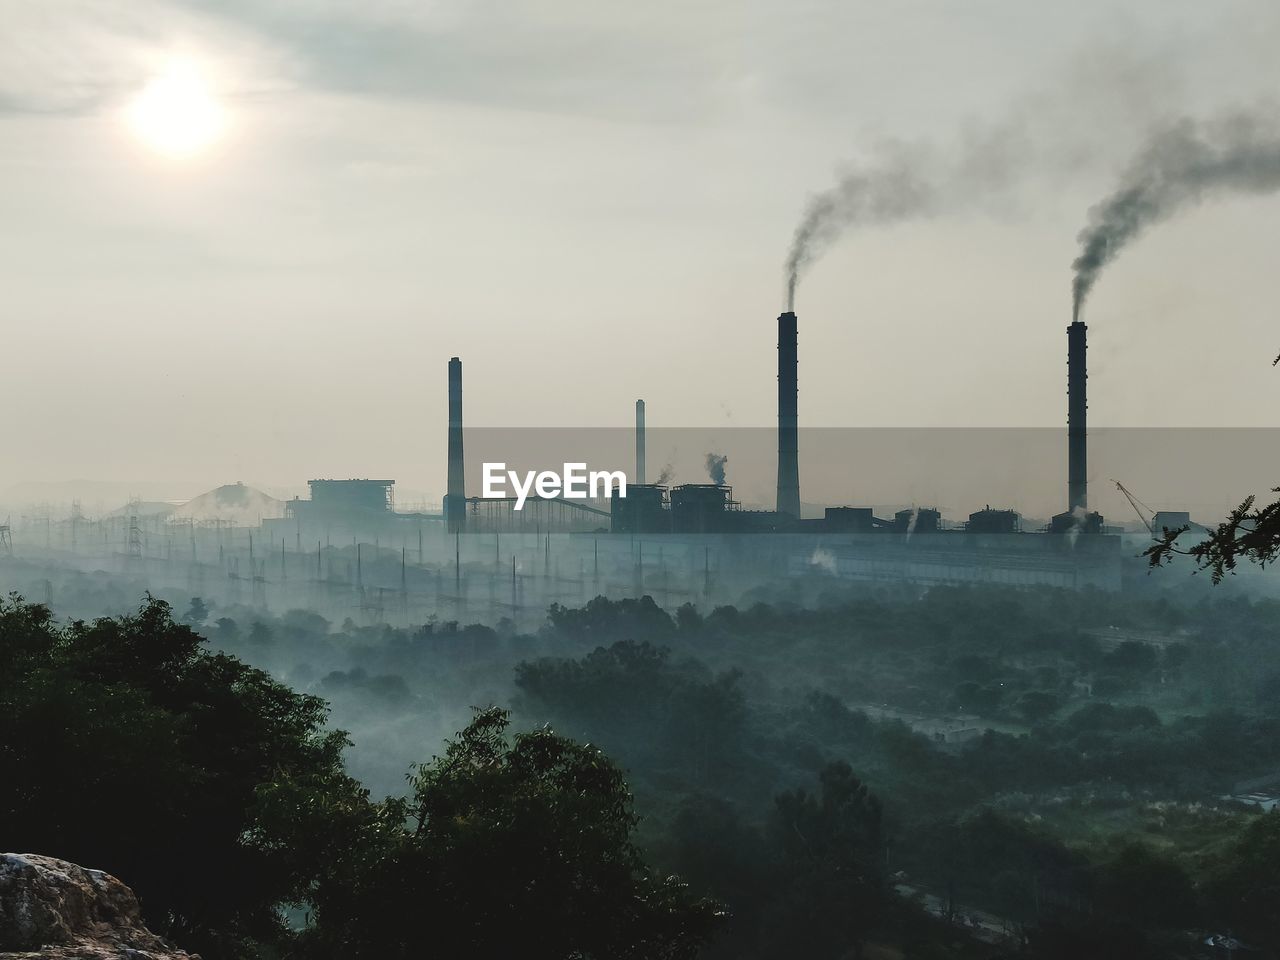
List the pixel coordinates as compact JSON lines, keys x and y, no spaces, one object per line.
{"x":507,"y":848}
{"x":125,"y":746}
{"x":1249,"y":533}
{"x":221,"y":797}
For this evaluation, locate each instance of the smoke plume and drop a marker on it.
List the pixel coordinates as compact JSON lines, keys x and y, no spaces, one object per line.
{"x":893,"y":189}
{"x":715,"y":467}
{"x":1180,"y":166}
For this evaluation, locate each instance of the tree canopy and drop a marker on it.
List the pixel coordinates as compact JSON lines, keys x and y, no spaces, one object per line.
{"x":221,"y":797}
{"x":127,"y":747}
{"x":508,"y":847}
{"x":1249,"y":533}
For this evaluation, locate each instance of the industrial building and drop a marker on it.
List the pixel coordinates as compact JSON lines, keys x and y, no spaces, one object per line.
{"x":345,"y":508}
{"x":710,"y":508}
{"x":338,"y":497}
{"x":914,"y":543}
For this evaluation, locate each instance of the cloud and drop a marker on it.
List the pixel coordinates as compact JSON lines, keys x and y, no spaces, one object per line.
{"x":77,"y":57}
{"x":658,"y":61}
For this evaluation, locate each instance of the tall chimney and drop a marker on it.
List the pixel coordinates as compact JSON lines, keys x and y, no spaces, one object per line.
{"x":788,"y":425}
{"x":639,"y":441}
{"x":455,"y":501}
{"x":1077,"y":407}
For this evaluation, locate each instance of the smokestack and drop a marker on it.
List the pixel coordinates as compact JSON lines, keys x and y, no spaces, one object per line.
{"x":788,"y":437}
{"x":1077,"y":405}
{"x":639,"y":441}
{"x":455,"y":501}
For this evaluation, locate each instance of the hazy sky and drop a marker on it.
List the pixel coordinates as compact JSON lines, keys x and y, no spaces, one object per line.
{"x":590,"y":202}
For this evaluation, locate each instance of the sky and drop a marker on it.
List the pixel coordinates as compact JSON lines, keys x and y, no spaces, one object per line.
{"x":591,"y":202}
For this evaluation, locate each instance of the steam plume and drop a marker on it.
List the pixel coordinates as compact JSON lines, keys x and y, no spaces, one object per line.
{"x":1180,"y":166}
{"x":715,"y":467}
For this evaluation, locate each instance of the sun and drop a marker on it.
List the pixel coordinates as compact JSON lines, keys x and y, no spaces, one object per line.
{"x":177,"y":113}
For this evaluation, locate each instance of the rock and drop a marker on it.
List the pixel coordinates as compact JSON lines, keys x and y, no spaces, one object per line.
{"x":56,"y":910}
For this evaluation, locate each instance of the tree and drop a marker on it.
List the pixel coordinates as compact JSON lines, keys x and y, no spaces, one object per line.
{"x":1175,"y":656}
{"x":830,"y":867}
{"x":688,"y":619}
{"x":602,"y":620}
{"x":714,"y":849}
{"x":642,"y":706}
{"x":1037,"y":705}
{"x":197,"y":612}
{"x":1245,"y":888}
{"x":1143,"y":888}
{"x":1249,"y":533}
{"x":508,"y":847}
{"x":127,"y":747}
{"x":1132,"y":657}
{"x":225,"y":630}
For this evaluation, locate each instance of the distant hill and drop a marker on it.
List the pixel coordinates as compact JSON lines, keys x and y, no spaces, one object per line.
{"x":146,"y":508}
{"x":95,"y":496}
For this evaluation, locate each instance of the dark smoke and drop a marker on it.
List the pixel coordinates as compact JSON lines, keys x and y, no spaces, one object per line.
{"x":715,"y":467}
{"x":889,"y":191}
{"x":1180,"y":166}
{"x":664,"y":477}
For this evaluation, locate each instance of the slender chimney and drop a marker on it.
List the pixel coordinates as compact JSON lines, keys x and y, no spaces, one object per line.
{"x":788,"y":426}
{"x":639,"y":441}
{"x":1077,"y":407}
{"x":455,"y":501}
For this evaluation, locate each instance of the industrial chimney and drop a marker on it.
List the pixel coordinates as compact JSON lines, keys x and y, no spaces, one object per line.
{"x":639,"y":442}
{"x":1077,"y":407}
{"x":455,"y":501}
{"x":788,"y":438}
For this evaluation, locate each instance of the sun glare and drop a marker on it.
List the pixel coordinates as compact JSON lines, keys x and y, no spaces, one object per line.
{"x":177,"y":114}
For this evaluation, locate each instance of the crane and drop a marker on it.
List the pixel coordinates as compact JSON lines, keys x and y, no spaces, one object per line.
{"x":1137,"y":505}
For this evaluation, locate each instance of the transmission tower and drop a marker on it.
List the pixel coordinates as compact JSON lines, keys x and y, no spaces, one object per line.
{"x":135,"y":532}
{"x":6,"y":538}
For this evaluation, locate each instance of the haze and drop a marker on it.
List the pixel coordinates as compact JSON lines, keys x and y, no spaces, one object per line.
{"x":591,"y":204}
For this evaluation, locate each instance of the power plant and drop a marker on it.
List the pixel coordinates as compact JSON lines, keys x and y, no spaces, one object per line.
{"x":682,"y":542}
{"x":643,"y":508}
{"x":710,"y":508}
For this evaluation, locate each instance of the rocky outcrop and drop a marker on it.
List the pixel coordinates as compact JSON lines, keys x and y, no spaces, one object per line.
{"x":56,"y":910}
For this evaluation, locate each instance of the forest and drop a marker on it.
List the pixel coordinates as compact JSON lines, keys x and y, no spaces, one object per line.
{"x":891,"y":772}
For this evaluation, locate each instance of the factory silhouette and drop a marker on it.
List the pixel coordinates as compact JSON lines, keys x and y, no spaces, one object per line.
{"x":348,"y":550}
{"x":696,"y":522}
{"x":710,"y":508}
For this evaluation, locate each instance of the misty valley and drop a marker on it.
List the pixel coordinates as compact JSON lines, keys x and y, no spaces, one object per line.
{"x":830,"y":769}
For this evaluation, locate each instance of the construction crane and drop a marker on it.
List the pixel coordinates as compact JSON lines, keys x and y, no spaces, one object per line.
{"x":1138,"y":507}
